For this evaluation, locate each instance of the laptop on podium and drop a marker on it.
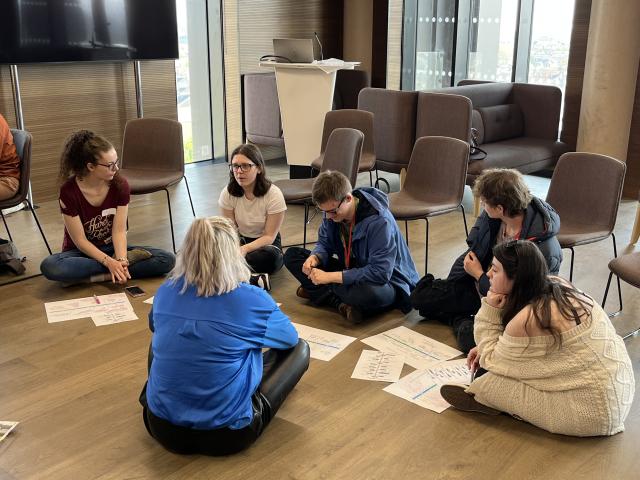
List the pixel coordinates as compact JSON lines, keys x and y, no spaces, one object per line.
{"x":295,"y":50}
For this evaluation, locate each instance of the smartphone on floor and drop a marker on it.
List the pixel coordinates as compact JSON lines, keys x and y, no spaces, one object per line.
{"x":134,"y":291}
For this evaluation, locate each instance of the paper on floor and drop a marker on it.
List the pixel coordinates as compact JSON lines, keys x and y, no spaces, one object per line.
{"x":418,"y":350}
{"x":6,"y":427}
{"x":324,"y":345}
{"x":149,"y":300}
{"x":422,"y":387}
{"x":378,"y":366}
{"x":103,"y":309}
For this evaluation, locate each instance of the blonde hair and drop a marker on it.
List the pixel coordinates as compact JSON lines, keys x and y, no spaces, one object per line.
{"x":210,"y":258}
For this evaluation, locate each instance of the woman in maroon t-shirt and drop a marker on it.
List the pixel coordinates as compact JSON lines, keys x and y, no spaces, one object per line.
{"x":94,"y":202}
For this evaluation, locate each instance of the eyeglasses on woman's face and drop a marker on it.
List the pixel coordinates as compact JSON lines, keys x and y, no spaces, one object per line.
{"x":241,"y":167}
{"x":113,"y":166}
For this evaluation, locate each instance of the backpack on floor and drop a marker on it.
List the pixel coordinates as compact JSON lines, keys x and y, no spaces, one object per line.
{"x":10,"y":258}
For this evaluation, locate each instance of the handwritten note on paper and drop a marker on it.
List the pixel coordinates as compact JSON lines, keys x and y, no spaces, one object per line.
{"x":419,"y":387}
{"x":324,"y":345}
{"x":378,"y":366}
{"x":103,"y":309}
{"x":418,"y":350}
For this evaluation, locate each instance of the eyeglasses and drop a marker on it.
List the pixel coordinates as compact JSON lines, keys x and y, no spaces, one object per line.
{"x":113,"y":166}
{"x":333,"y":211}
{"x":243,"y":167}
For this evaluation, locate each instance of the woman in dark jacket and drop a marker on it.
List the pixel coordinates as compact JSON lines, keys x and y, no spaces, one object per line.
{"x":510,"y":213}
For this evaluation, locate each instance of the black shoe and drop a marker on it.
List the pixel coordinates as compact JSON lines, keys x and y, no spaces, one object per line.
{"x":302,"y":293}
{"x":261,"y":280}
{"x":350,"y":313}
{"x":464,"y":335}
{"x":456,"y":396}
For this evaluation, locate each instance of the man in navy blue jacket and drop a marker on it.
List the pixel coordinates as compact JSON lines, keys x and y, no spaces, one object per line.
{"x":361,"y":264}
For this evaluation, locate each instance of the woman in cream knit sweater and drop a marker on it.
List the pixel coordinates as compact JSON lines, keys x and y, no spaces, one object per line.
{"x":551,"y":353}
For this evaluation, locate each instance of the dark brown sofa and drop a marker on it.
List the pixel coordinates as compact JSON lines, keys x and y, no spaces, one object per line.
{"x":517,"y":123}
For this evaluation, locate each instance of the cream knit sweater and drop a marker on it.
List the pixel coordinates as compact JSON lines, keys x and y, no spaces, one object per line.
{"x":584,"y":388}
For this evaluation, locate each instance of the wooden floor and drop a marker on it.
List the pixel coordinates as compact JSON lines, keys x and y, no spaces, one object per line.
{"x":74,"y":387}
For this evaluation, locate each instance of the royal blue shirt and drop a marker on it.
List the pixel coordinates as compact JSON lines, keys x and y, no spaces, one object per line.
{"x":207,"y":357}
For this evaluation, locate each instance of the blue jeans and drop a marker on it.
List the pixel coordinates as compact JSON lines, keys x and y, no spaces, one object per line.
{"x":75,"y":266}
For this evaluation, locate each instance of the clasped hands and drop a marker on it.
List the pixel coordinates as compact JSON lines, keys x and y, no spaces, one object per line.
{"x":119,"y":269}
{"x":316,"y":275}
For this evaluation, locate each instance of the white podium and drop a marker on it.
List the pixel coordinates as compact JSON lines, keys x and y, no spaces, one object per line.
{"x":305,"y":94}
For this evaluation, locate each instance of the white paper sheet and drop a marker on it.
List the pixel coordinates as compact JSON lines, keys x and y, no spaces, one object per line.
{"x":419,"y":387}
{"x":422,"y":387}
{"x":324,"y":345}
{"x":6,"y":427}
{"x":378,"y":366}
{"x":418,"y":350}
{"x":102,"y":309}
{"x":149,"y":300}
{"x":453,"y":371}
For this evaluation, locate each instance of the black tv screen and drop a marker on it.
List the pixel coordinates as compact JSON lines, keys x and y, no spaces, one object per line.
{"x":34,"y":31}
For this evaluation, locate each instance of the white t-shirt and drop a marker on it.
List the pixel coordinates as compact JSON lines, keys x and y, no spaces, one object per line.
{"x":251,"y":215}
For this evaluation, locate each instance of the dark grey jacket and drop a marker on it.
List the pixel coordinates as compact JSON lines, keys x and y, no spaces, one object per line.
{"x":541,"y":225}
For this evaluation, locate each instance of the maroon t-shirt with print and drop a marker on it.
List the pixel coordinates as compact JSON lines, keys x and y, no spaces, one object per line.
{"x":97,"y":221}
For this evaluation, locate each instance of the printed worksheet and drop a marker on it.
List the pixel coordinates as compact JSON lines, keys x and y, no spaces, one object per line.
{"x":324,"y":345}
{"x":418,"y":350}
{"x":102,"y":309}
{"x":420,"y":388}
{"x":453,"y":371}
{"x":378,"y":366}
{"x":6,"y":427}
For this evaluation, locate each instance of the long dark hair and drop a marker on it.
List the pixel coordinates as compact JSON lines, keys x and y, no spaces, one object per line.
{"x":523,"y":263}
{"x":262,"y":185}
{"x":80,"y":148}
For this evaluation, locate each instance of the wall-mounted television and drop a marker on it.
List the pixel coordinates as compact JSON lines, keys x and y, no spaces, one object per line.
{"x":34,"y":31}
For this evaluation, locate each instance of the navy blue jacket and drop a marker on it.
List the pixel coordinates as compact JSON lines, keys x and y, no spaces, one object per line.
{"x":380,"y":251}
{"x":541,"y":224}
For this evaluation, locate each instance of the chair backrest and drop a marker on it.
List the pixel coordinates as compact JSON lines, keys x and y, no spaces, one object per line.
{"x":586,"y":188}
{"x":262,"y":121}
{"x":348,"y":86}
{"x":153,"y":144}
{"x":442,"y":114}
{"x":343,"y":152}
{"x":358,"y":119}
{"x":394,"y":125}
{"x":438,"y":170}
{"x":22,"y":140}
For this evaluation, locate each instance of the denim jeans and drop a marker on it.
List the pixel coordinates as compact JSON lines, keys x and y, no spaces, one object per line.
{"x":369,"y":298}
{"x":75,"y":266}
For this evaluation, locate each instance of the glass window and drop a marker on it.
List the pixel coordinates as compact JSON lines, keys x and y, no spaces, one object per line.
{"x":492,"y":32}
{"x":192,"y":80}
{"x":435,"y":33}
{"x":550,"y":40}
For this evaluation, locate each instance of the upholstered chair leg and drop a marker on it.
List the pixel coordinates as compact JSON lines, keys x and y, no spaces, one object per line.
{"x":464,"y":219}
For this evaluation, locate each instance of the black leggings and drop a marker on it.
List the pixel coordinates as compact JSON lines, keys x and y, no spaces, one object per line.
{"x":267,"y":259}
{"x":282,"y":371}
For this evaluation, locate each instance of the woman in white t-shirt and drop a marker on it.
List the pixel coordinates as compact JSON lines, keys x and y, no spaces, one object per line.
{"x":257,"y":208}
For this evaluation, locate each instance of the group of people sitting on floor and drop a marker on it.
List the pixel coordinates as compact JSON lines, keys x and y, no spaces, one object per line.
{"x":540,"y":346}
